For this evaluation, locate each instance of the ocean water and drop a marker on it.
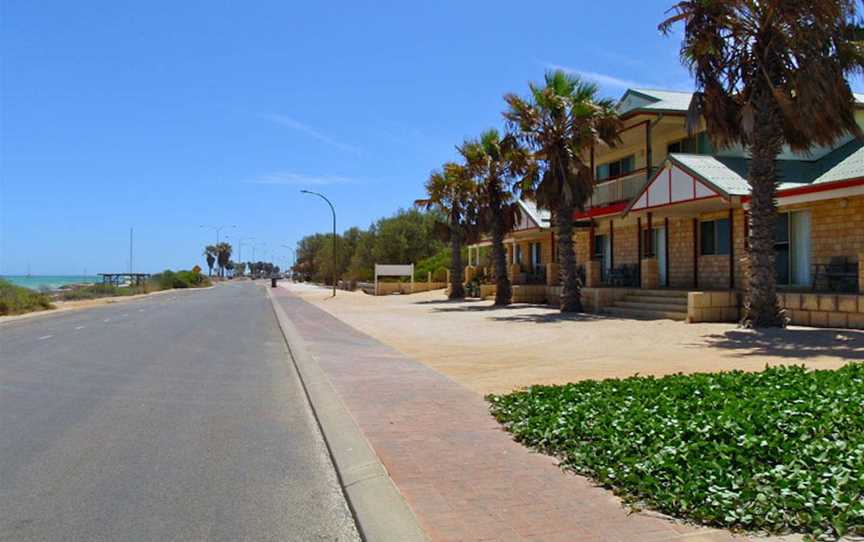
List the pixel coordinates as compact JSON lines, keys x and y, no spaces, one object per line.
{"x":50,"y":282}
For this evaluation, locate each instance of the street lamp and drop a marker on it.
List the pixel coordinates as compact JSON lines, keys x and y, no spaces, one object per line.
{"x":293,"y":257}
{"x":218,"y":229}
{"x":332,"y":210}
{"x":240,"y":244}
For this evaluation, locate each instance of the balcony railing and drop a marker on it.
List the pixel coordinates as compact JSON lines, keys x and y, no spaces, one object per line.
{"x":619,"y":189}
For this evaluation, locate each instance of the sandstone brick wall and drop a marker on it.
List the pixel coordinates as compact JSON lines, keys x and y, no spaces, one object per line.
{"x":626,"y":249}
{"x":714,"y":272}
{"x":837,"y":228}
{"x":824,"y":310}
{"x":680,"y":239}
{"x":583,"y":246}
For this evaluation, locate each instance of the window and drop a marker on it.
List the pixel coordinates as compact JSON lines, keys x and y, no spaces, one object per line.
{"x":792,"y":248}
{"x":714,"y":238}
{"x":599,"y":246}
{"x":698,"y":144}
{"x":518,"y":254}
{"x":616,"y":168}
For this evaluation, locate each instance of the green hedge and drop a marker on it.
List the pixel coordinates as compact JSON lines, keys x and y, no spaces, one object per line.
{"x":776,"y":451}
{"x":17,"y":299}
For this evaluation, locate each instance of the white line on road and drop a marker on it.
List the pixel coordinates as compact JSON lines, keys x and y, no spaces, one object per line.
{"x":124,"y":315}
{"x":79,"y":327}
{"x":43,"y":337}
{"x":106,"y":320}
{"x":140,"y":310}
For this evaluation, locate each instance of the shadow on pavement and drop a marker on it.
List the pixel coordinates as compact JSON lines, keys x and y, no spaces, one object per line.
{"x":843,"y":344}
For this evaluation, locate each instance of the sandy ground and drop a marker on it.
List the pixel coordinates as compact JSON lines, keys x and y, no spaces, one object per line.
{"x":493,"y":350}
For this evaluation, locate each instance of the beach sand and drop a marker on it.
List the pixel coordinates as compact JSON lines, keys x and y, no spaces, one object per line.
{"x":493,"y":350}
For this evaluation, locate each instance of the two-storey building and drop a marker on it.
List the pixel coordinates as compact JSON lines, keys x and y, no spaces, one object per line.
{"x":665,"y":232}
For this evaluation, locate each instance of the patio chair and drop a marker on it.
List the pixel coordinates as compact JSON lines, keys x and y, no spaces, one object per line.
{"x":838,"y":275}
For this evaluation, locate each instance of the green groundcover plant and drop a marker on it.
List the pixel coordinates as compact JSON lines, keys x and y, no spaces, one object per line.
{"x":777,"y":451}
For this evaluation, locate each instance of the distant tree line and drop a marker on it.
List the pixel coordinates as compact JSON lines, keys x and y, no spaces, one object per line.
{"x":409,"y":236}
{"x":219,"y":256}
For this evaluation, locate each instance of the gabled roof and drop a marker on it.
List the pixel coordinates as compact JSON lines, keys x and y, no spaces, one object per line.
{"x":712,"y":169}
{"x":660,"y":101}
{"x":649,"y":100}
{"x":541,"y":217}
{"x":726,"y":176}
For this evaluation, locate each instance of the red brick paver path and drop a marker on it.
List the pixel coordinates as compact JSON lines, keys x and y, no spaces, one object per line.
{"x":462,"y":475}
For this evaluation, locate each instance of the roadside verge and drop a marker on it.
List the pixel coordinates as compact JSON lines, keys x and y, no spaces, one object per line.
{"x":378,"y":507}
{"x":63,"y":307}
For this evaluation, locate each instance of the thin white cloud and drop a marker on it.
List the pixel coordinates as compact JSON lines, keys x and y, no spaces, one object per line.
{"x":601,"y":78}
{"x":294,"y":124}
{"x":298,"y":179}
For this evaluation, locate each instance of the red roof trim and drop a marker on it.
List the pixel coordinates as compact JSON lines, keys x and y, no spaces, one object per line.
{"x":613,"y":209}
{"x":814,"y":188}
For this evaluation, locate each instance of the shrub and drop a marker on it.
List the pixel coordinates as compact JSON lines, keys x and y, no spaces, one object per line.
{"x":17,"y":299}
{"x":167,"y":280}
{"x":437,"y":265}
{"x":95,"y":291}
{"x":776,"y":451}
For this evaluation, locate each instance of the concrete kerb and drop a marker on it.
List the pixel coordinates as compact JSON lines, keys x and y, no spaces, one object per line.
{"x":379,"y":510}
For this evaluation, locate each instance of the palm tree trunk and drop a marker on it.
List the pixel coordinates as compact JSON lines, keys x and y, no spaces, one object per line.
{"x":457,"y":289}
{"x":503,"y":291}
{"x":571,"y":293}
{"x":761,"y":306}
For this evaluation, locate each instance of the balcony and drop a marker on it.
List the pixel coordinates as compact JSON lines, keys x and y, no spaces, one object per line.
{"x":617,"y":190}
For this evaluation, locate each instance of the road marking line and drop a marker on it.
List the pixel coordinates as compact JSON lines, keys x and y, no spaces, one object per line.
{"x":43,"y":337}
{"x":106,"y":320}
{"x":140,"y":310}
{"x":124,"y":315}
{"x":79,"y":327}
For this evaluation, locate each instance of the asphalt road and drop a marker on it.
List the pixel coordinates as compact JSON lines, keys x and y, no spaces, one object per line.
{"x":175,"y":417}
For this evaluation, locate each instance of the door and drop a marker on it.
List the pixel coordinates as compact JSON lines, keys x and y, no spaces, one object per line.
{"x":607,"y":256}
{"x":660,"y":250}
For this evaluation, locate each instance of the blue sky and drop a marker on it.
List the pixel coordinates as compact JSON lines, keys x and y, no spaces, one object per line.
{"x":166,"y":115}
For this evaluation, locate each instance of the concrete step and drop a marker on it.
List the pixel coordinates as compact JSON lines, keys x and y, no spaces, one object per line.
{"x":660,"y":300}
{"x":660,"y":293}
{"x":645,"y":314}
{"x":659,"y":307}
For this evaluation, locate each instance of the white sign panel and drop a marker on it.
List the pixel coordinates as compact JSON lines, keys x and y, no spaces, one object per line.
{"x":394,"y":270}
{"x":385,"y":270}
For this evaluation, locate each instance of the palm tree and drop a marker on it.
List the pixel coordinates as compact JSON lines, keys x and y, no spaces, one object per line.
{"x":560,"y":122}
{"x":223,"y":256}
{"x":451,"y":190}
{"x":769,"y":73}
{"x":497,"y":164}
{"x":210,"y":254}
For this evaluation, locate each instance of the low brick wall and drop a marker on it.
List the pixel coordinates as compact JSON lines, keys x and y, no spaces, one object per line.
{"x":529,"y":293}
{"x":803,"y":309}
{"x":713,"y":307}
{"x":388,"y":288}
{"x":824,"y":310}
{"x":487,"y":291}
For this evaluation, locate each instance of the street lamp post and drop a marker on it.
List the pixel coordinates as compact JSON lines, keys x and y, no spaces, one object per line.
{"x":218,"y":229}
{"x":293,"y":258}
{"x":240,"y":244}
{"x":332,"y":210}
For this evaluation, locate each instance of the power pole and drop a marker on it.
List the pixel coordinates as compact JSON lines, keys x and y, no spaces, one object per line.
{"x":130,"y":250}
